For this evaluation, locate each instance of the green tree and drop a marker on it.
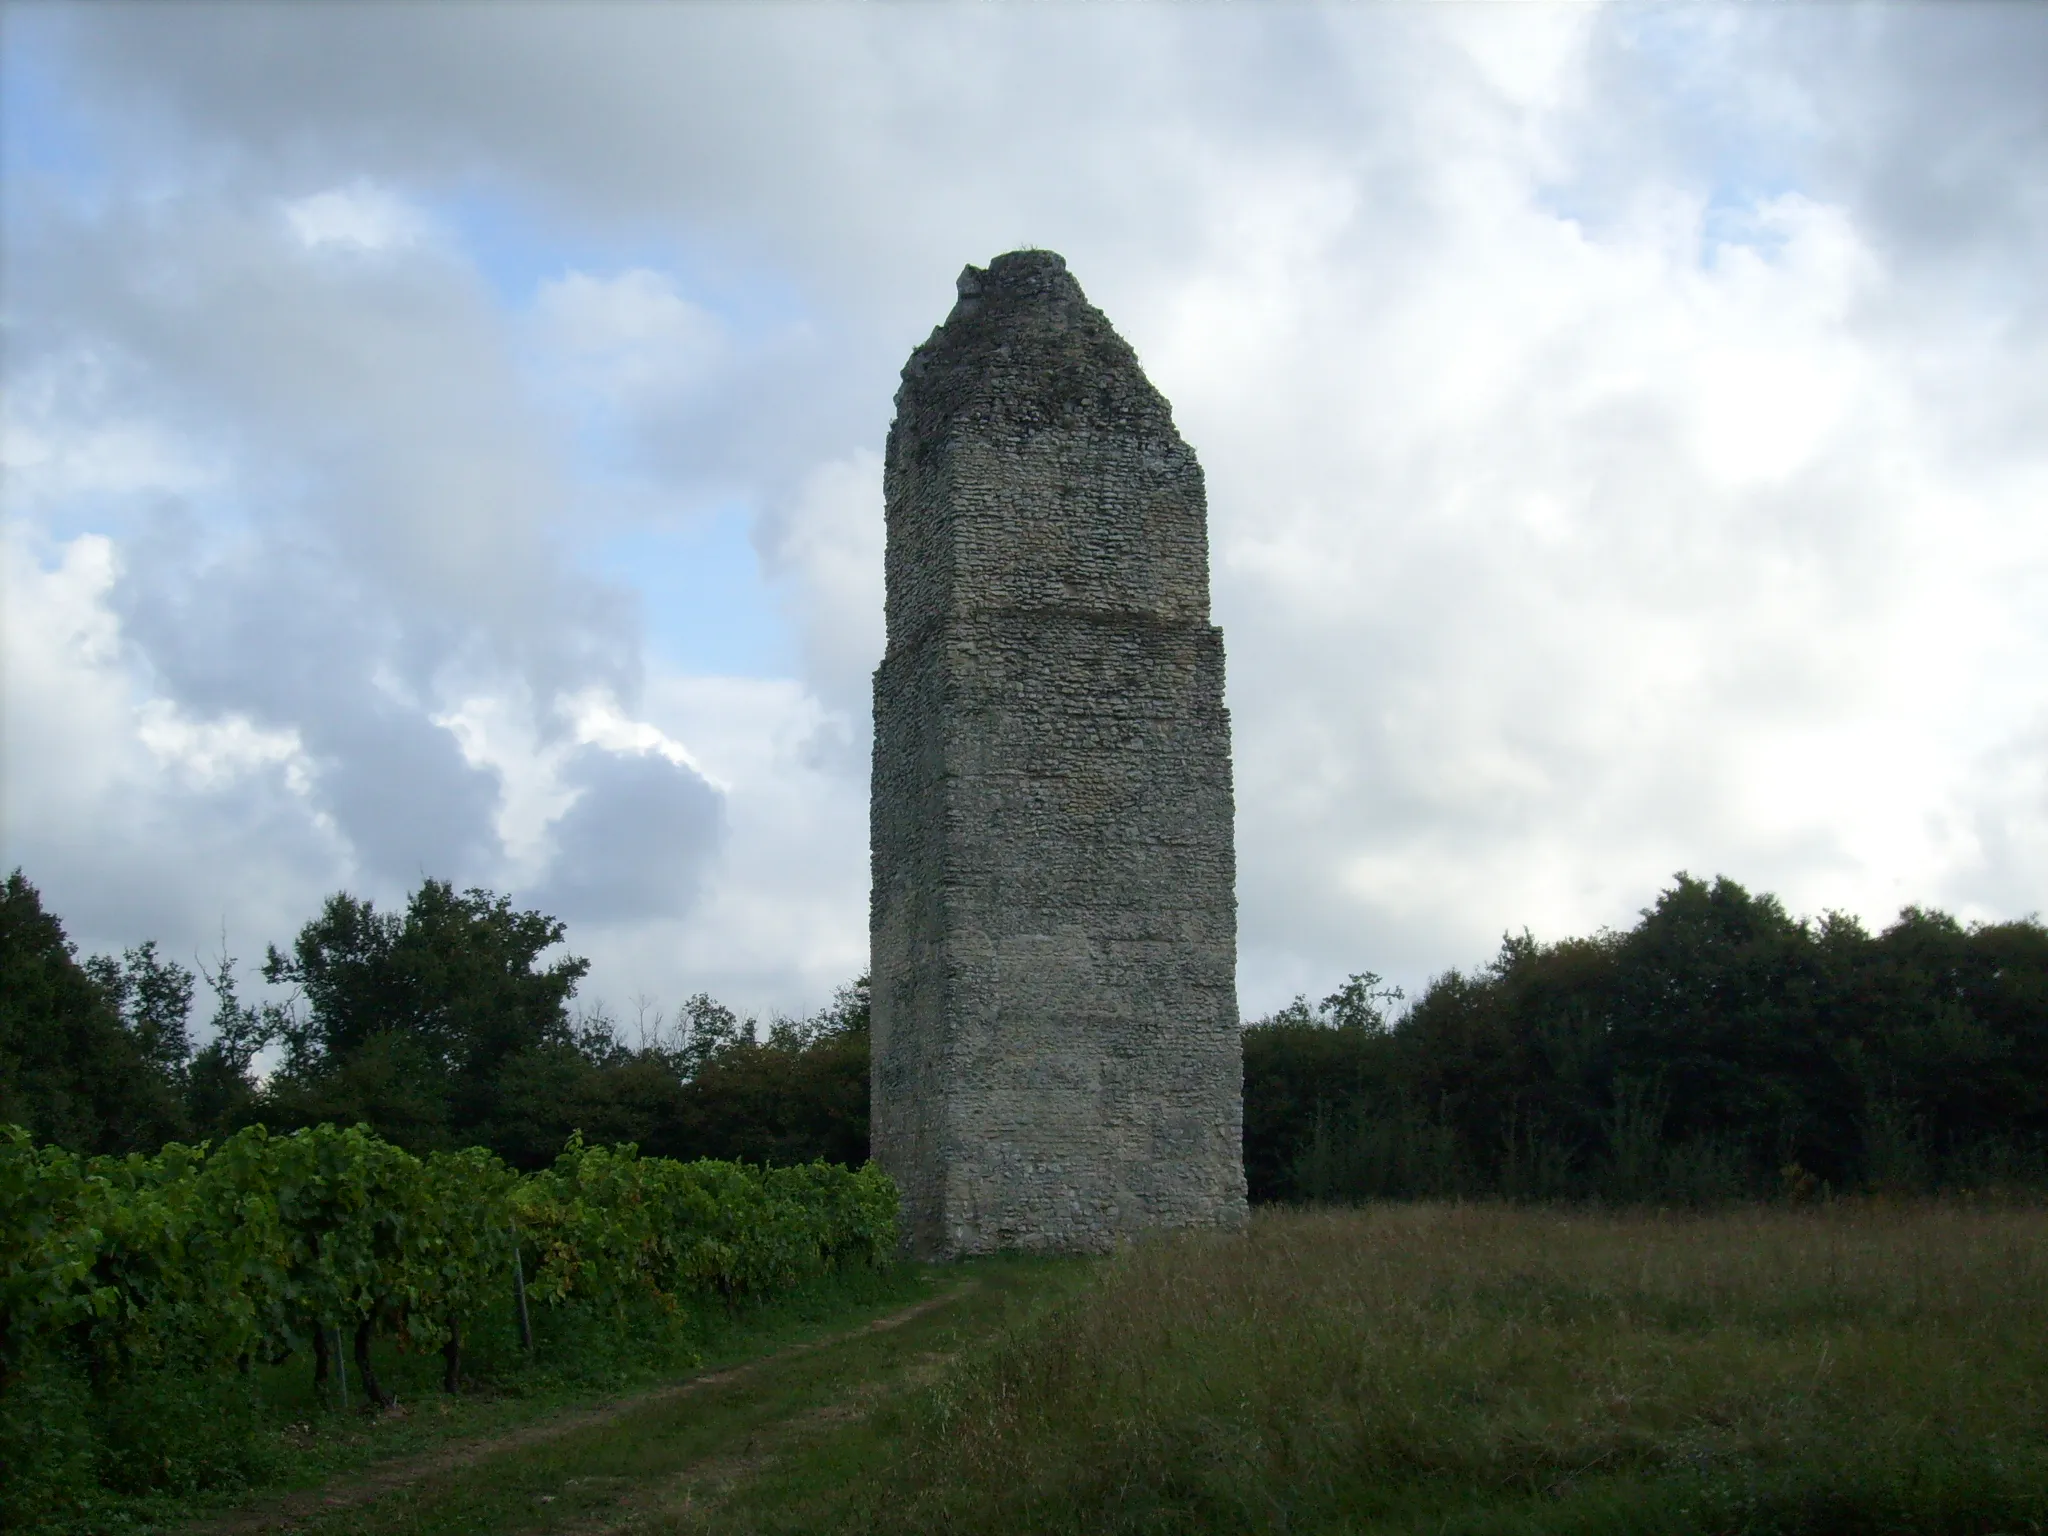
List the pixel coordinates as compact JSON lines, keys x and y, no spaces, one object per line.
{"x":154,"y":999}
{"x":410,"y":1021}
{"x":1307,"y":1070}
{"x":715,"y":1088}
{"x":799,"y":1095}
{"x":220,"y":1092}
{"x":70,"y":1071}
{"x":1719,"y":1046}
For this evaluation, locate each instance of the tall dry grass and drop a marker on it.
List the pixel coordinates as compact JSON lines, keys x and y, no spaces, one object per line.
{"x":1863,"y":1366}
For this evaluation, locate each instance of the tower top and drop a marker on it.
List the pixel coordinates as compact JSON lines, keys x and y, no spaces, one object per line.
{"x":1032,"y":465}
{"x":1026,"y":271}
{"x":1024,"y":347}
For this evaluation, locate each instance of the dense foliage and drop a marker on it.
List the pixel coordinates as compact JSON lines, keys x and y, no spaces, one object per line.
{"x":1719,"y":1048}
{"x":443,"y":1026}
{"x":133,"y":1280}
{"x":412,"y":1019}
{"x":70,"y":1068}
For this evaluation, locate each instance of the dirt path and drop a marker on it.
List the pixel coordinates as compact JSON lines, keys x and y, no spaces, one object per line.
{"x":696,"y":1490}
{"x":293,"y":1509}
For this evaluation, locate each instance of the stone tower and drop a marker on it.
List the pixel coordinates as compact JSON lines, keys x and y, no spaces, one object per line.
{"x":1054,"y":919}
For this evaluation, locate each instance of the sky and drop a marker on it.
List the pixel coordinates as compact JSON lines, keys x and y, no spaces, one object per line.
{"x":445,"y":441}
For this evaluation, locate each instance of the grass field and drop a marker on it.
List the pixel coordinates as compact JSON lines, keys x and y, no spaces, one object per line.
{"x":1862,"y":1367}
{"x":1859,"y":1367}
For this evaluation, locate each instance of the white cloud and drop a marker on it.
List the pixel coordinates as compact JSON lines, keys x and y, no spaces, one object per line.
{"x":632,"y":339}
{"x":826,"y":546}
{"x":601,"y":723}
{"x":784,"y":919}
{"x":135,"y":820}
{"x":361,"y":217}
{"x":1533,"y":56}
{"x":1565,"y":560}
{"x":65,"y":689}
{"x":65,"y":438}
{"x":501,"y":733}
{"x":211,"y":754}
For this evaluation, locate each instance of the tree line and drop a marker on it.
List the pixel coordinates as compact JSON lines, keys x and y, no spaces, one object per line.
{"x":442,"y":1026}
{"x":1718,"y":1049}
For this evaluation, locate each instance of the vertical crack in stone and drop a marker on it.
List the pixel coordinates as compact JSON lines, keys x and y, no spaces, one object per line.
{"x":1053,"y":921}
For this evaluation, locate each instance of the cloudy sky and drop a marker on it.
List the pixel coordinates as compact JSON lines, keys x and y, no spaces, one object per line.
{"x":446,"y":441}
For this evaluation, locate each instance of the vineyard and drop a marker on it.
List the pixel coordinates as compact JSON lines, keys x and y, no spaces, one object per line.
{"x":121,"y":1277}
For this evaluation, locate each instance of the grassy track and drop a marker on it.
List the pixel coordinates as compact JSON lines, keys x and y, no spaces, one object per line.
{"x":674,"y":1450}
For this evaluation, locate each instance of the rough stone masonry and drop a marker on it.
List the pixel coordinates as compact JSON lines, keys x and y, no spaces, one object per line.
{"x":1054,"y":923}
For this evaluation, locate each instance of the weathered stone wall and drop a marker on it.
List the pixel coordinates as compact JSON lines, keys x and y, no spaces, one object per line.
{"x":1054,"y":926}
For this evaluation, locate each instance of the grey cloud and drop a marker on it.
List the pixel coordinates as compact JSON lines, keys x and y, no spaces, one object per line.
{"x":1931,"y":122}
{"x":637,"y":842}
{"x":411,"y":805}
{"x":282,"y":641}
{"x":387,"y":534}
{"x":181,"y":865}
{"x":852,"y":158}
{"x":369,"y":403}
{"x":1938,"y":115}
{"x":716,"y":113}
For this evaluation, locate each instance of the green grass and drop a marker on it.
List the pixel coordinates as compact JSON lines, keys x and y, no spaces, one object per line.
{"x":1481,"y":1369}
{"x":677,"y":1456}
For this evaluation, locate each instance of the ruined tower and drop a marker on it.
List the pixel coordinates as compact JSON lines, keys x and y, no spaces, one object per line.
{"x":1054,"y":923}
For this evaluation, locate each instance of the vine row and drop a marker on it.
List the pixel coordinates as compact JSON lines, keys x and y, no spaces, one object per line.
{"x":204,"y":1258}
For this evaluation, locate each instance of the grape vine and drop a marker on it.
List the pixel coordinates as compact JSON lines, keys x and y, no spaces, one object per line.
{"x":203,"y":1258}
